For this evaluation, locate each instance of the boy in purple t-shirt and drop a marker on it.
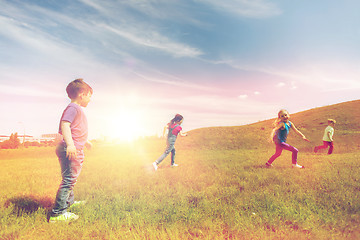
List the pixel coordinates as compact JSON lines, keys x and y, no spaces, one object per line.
{"x":74,"y":129}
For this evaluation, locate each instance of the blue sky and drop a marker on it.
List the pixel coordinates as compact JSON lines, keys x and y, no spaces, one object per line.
{"x":219,"y":63}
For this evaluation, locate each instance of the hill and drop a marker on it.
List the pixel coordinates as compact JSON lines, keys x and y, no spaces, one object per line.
{"x":221,"y":189}
{"x":311,"y":122}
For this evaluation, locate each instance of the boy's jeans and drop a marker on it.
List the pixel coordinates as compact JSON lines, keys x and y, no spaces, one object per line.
{"x":70,"y":171}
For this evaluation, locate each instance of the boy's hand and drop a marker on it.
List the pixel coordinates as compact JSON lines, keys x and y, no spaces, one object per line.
{"x":71,"y":152}
{"x":88,"y":145}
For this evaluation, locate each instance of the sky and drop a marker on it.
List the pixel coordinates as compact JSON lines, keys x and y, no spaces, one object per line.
{"x":218,"y":63}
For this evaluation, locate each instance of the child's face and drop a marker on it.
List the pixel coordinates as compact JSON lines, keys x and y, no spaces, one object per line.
{"x":85,"y":99}
{"x":284,"y":116}
{"x":181,"y":121}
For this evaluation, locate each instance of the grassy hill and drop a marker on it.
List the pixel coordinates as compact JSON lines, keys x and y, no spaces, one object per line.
{"x":311,"y":122}
{"x":221,"y":189}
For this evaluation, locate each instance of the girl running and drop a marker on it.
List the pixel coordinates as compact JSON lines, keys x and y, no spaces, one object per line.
{"x":279,"y":134}
{"x":174,"y":129}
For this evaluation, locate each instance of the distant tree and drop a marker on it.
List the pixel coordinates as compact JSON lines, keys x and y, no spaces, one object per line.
{"x":12,"y":143}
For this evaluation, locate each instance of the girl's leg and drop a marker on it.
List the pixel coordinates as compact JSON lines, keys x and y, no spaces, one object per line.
{"x":162,"y":157}
{"x":168,"y":150}
{"x":291,"y":149}
{"x":173,"y":156}
{"x":278,"y":152}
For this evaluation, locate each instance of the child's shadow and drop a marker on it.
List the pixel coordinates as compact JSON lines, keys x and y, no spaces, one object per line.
{"x":28,"y":204}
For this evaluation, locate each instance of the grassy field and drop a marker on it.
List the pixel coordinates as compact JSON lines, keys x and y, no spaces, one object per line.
{"x":221,"y":189}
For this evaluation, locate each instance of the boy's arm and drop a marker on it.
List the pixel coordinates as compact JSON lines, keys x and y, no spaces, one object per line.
{"x":330,"y":136}
{"x":298,"y":132}
{"x":70,"y":146}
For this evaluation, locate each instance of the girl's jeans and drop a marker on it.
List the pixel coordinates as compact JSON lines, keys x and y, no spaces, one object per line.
{"x":170,"y":149}
{"x":280,"y":146}
{"x":326,"y":144}
{"x":70,"y":171}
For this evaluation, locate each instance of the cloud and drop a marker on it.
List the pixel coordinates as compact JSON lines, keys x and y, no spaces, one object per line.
{"x":293,"y":86}
{"x":354,"y":88}
{"x":170,"y":10}
{"x":176,"y":81}
{"x":211,"y":104}
{"x":156,"y":40}
{"x":29,"y":26}
{"x":40,"y":45}
{"x":280,"y":85}
{"x":245,"y":8}
{"x":317,"y":74}
{"x":30,"y":92}
{"x":244,"y":96}
{"x":141,"y":33}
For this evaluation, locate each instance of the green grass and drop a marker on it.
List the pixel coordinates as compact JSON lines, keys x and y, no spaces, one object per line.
{"x":221,"y":189}
{"x":213,"y":194}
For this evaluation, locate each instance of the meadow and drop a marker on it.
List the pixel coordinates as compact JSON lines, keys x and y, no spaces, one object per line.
{"x":221,"y":189}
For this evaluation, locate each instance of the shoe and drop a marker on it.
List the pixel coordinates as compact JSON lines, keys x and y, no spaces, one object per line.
{"x":174,"y":165}
{"x":65,"y":217}
{"x":77,"y":204}
{"x":155,"y":166}
{"x":268,"y":165}
{"x":297,"y":166}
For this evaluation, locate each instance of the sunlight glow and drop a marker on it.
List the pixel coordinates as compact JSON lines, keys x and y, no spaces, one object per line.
{"x":125,"y":126}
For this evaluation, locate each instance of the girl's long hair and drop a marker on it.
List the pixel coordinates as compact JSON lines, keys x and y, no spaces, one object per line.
{"x":177,"y":118}
{"x":278,"y":120}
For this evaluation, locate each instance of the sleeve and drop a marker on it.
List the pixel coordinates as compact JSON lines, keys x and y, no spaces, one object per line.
{"x":177,"y":130}
{"x":69,"y":114}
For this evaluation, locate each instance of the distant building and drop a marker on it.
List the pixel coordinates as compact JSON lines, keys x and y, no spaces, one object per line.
{"x":4,"y":138}
{"x":51,"y":137}
{"x":27,"y":138}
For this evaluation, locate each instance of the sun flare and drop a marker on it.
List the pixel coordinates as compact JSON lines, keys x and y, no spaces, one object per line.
{"x":125,"y":126}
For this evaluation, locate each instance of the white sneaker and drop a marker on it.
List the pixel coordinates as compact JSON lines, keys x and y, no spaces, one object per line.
{"x":155,"y":166}
{"x":77,"y":204}
{"x":297,"y":166}
{"x":174,"y":165}
{"x":268,"y":165}
{"x":65,"y":217}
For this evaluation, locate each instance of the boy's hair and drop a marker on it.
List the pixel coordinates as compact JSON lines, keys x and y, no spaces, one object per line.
{"x":331,"y":121}
{"x":76,"y":87}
